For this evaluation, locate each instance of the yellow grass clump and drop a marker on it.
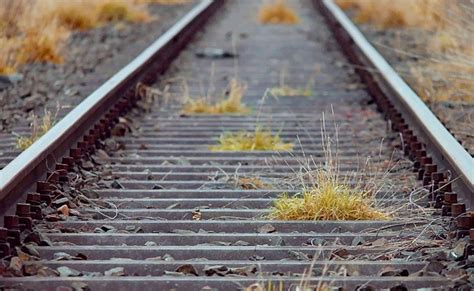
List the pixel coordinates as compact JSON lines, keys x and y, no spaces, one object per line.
{"x":232,"y":104}
{"x":277,"y":12}
{"x":327,"y":199}
{"x":38,"y":129}
{"x":258,"y":140}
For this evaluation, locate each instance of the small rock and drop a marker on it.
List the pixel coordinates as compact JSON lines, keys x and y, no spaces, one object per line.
{"x":167,"y":257}
{"x":243,"y":271}
{"x":458,"y":251}
{"x":47,"y":272}
{"x":9,"y":80}
{"x":108,"y":228}
{"x":115,"y":272}
{"x":220,"y":270}
{"x":16,"y":266}
{"x":256,"y":258}
{"x":68,"y":272}
{"x":266,"y":228}
{"x":61,"y":201}
{"x":214,"y":53}
{"x":87,"y":165}
{"x":30,"y":249}
{"x":61,"y":256}
{"x":116,"y":185}
{"x":151,"y":244}
{"x":80,"y":286}
{"x":358,"y":240}
{"x":187,"y":269}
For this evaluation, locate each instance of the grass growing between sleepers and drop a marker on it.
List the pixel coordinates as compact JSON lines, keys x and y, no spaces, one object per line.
{"x":277,"y":12}
{"x":327,"y":199}
{"x":231,"y":104}
{"x":258,"y":140}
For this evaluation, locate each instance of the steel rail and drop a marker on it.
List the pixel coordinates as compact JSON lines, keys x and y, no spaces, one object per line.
{"x":444,"y":147}
{"x":31,"y":164}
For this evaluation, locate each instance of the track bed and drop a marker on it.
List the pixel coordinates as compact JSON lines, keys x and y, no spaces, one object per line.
{"x":156,"y":209}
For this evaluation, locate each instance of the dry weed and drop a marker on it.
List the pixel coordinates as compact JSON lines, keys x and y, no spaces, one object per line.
{"x":277,"y":12}
{"x":441,"y":66}
{"x":252,"y":183}
{"x":232,"y":104}
{"x":326,"y":194}
{"x":401,"y":13}
{"x":38,"y":129}
{"x":36,"y":30}
{"x":258,"y":140}
{"x":327,"y":199}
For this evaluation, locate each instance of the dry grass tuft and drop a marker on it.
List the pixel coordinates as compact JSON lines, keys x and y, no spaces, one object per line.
{"x":75,"y":15}
{"x":252,"y":183}
{"x":38,"y":129}
{"x":44,"y":46}
{"x":328,"y":199}
{"x":259,"y":140}
{"x":117,"y":10}
{"x":326,"y":194}
{"x":232,"y":104}
{"x":277,"y":12}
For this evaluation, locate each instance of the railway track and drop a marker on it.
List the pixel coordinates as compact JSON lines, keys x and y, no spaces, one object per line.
{"x":150,"y":206}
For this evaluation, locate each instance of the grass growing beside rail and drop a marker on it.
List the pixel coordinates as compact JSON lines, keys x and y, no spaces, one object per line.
{"x":36,"y":30}
{"x":277,"y":12}
{"x":440,"y":66}
{"x":38,"y":129}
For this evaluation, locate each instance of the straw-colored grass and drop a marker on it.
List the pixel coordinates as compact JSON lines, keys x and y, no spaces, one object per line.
{"x":120,"y":10}
{"x":232,"y":104}
{"x":258,"y":140}
{"x":443,"y":68}
{"x":38,"y":129}
{"x":36,"y":30}
{"x":328,"y":199}
{"x":277,"y":12}
{"x":400,"y":13}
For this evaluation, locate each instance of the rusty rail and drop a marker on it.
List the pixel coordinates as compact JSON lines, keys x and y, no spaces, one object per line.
{"x":32,"y":164}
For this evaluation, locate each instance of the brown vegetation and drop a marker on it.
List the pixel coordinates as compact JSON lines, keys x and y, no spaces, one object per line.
{"x":277,"y":12}
{"x":36,"y":30}
{"x":443,"y":67}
